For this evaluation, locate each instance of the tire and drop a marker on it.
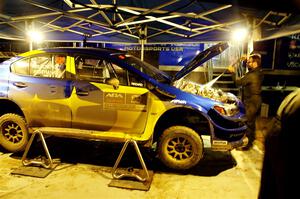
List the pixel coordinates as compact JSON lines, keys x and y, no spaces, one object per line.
{"x":180,"y":147}
{"x":13,"y":132}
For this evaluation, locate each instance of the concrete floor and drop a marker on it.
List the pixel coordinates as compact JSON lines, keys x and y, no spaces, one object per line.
{"x":85,"y":172}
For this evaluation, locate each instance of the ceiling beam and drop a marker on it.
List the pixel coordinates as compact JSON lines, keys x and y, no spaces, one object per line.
{"x":169,"y":31}
{"x":102,"y":13}
{"x":6,"y":17}
{"x":9,"y":37}
{"x":71,"y":15}
{"x":162,"y":19}
{"x":171,"y":24}
{"x":218,"y":25}
{"x":212,"y":11}
{"x":121,"y":18}
{"x":284,"y":19}
{"x":52,"y":21}
{"x":61,"y":29}
{"x":202,"y":25}
{"x":145,"y":12}
{"x":263,"y":19}
{"x":78,"y":17}
{"x":189,"y":15}
{"x":147,"y":20}
{"x":112,"y":31}
{"x":80,"y":21}
{"x":16,"y":27}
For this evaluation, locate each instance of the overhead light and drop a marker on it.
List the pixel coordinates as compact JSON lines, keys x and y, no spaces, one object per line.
{"x":239,"y":34}
{"x":35,"y":36}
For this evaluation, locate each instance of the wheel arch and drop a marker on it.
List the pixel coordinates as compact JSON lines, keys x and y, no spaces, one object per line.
{"x":182,"y":116}
{"x":8,"y":106}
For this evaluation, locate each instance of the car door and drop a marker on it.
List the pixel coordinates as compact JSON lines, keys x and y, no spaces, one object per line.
{"x":100,"y":106}
{"x":38,"y":86}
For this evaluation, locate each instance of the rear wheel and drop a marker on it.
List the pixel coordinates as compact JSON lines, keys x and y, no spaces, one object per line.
{"x":180,"y":147}
{"x":13,"y":132}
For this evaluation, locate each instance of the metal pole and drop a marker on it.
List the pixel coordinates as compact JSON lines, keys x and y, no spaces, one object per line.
{"x":143,"y":40}
{"x":142,"y":49}
{"x":274,"y":54}
{"x":30,"y":45}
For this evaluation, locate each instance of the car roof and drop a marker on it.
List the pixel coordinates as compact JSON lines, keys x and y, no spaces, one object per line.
{"x":89,"y":50}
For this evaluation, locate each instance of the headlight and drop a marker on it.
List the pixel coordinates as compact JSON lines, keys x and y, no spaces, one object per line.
{"x":227,"y":109}
{"x":220,"y":109}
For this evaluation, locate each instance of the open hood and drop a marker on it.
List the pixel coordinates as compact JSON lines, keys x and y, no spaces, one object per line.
{"x":200,"y":59}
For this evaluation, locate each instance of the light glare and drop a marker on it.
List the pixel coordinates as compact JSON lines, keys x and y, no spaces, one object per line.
{"x":35,"y":36}
{"x":239,"y":34}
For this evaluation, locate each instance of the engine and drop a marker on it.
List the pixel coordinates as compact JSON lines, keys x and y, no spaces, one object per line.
{"x":229,"y":100}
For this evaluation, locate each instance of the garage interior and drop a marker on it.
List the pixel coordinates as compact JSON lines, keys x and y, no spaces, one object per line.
{"x":151,"y":30}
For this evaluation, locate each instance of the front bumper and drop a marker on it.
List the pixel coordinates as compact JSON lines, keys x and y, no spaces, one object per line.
{"x":223,"y":145}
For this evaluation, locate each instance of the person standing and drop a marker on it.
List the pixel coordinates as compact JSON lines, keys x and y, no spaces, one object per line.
{"x":279,"y":172}
{"x":251,"y":93}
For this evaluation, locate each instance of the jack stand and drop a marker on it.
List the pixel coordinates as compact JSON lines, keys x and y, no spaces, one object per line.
{"x":47,"y":163}
{"x":144,"y":180}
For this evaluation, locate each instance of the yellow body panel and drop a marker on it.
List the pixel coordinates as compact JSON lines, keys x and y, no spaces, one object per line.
{"x":70,"y":65}
{"x":134,"y":119}
{"x":131,"y":109}
{"x":30,"y":53}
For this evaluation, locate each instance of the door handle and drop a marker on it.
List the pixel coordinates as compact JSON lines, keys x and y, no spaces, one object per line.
{"x":20,"y":84}
{"x":82,"y":93}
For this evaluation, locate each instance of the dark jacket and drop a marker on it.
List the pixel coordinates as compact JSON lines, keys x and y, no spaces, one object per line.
{"x":251,"y":83}
{"x":280,"y":173}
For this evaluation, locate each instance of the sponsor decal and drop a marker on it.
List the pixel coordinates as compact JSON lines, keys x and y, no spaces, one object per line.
{"x":121,"y":101}
{"x":136,"y":99}
{"x":236,"y":135}
{"x":220,"y":142}
{"x":137,"y":84}
{"x":177,"y":101}
{"x":127,"y":107}
{"x":114,"y":98}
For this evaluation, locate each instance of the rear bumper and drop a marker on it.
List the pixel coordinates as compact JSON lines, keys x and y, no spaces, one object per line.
{"x":223,"y":145}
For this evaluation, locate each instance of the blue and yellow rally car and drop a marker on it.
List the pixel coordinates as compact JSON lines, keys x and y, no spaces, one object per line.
{"x":106,"y":94}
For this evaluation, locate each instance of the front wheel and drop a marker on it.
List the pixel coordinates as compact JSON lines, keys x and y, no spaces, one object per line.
{"x":13,"y":132}
{"x":180,"y":147}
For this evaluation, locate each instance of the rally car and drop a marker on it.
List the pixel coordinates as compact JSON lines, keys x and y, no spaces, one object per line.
{"x":110,"y":95}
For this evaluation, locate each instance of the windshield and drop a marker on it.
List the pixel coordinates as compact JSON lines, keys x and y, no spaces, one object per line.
{"x":147,"y":69}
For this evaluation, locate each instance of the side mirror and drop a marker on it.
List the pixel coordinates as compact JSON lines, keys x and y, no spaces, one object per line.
{"x":149,"y":86}
{"x":114,"y":82}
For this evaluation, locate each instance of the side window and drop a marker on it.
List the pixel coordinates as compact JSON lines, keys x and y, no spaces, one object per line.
{"x":41,"y":66}
{"x":127,"y":78}
{"x":137,"y":81}
{"x":21,"y":67}
{"x":120,"y":74}
{"x":53,"y":66}
{"x":92,"y":69}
